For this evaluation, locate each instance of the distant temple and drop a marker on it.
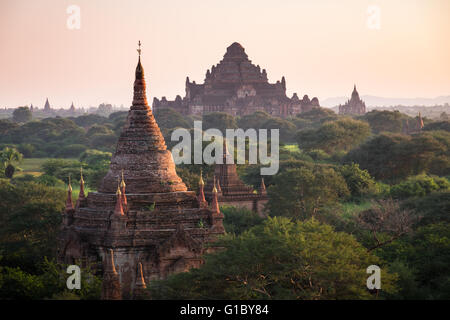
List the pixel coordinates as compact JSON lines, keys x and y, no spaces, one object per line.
{"x":416,"y":127}
{"x":146,"y":227}
{"x":354,"y":106}
{"x":47,"y":107}
{"x":231,"y":190}
{"x":238,"y":87}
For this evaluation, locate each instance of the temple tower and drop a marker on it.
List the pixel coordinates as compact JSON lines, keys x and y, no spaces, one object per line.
{"x":142,"y":217}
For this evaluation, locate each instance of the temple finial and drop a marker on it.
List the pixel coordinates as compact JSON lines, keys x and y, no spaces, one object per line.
{"x":139,"y":50}
{"x":214,"y":189}
{"x":122,"y":183}
{"x":200,"y":181}
{"x":81,"y":194}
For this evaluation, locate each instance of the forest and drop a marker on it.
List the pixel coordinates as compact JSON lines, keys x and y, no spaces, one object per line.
{"x":350,"y":192}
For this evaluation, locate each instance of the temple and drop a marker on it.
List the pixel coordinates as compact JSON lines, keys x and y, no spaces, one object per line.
{"x":143,"y":223}
{"x":354,"y":106}
{"x":231,"y":190}
{"x":238,"y":87}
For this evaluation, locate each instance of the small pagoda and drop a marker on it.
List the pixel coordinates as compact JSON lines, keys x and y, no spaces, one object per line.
{"x":230,"y":188}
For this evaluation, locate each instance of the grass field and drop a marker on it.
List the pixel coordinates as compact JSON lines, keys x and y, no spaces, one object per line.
{"x":351,"y":209}
{"x":33,"y":166}
{"x":292,"y":147}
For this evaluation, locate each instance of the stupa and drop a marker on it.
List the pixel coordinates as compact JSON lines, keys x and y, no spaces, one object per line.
{"x":142,"y":223}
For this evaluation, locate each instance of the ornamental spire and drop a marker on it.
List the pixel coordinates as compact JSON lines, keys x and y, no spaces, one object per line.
{"x":262,"y":188}
{"x":140,"y":98}
{"x":201,"y":185}
{"x":215,"y":201}
{"x":69,"y":202}
{"x":123,"y":195}
{"x":81,"y":195}
{"x":118,"y":210}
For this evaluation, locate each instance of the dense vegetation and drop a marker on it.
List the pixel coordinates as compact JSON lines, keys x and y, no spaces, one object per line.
{"x":350,"y":192}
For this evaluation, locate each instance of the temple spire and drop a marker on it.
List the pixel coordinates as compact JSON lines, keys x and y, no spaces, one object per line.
{"x":201,"y":185}
{"x":219,"y":189}
{"x":82,"y":194}
{"x":215,"y":201}
{"x":140,"y":97}
{"x":262,"y":188}
{"x":118,"y":210}
{"x":69,"y":202}
{"x":122,"y":190}
{"x":111,"y":283}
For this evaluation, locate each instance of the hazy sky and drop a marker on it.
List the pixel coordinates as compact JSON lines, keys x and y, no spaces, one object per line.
{"x":322,"y":47}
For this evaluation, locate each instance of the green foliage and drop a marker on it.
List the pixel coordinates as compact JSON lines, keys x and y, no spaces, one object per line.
{"x":426,"y":252}
{"x":438,"y":125}
{"x":219,"y":120}
{"x":287,"y":129}
{"x":359,"y":181}
{"x":31,"y":216}
{"x":48,"y":283}
{"x":22,"y":114}
{"x":168,"y":118}
{"x":238,"y":220}
{"x":255,"y":120}
{"x":303,"y":192}
{"x":279,"y":259}
{"x":390,"y":121}
{"x":419,"y":186}
{"x":393,"y":157}
{"x":9,"y":158}
{"x":342,"y":134}
{"x":433,"y":208}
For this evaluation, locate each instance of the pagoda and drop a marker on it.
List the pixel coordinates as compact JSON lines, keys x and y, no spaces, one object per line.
{"x":142,"y":223}
{"x":354,"y":106}
{"x":231,"y":190}
{"x":238,"y":87}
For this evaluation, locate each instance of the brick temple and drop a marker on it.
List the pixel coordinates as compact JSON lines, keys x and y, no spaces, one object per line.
{"x":354,"y":106}
{"x":143,"y":223}
{"x":238,"y":87}
{"x":230,"y":188}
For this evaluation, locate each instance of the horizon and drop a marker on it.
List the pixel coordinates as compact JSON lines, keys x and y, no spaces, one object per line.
{"x":405,"y":59}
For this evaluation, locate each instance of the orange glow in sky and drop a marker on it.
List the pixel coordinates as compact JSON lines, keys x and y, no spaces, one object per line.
{"x":322,"y":47}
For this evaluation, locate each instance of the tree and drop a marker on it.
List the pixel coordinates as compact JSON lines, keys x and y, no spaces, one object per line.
{"x":279,"y":259}
{"x":238,"y":220}
{"x":386,"y":222}
{"x":168,"y":118}
{"x":9,"y":157}
{"x":303,"y":192}
{"x":22,"y":114}
{"x":219,"y":120}
{"x":393,"y":157}
{"x":419,"y":186}
{"x":390,"y":121}
{"x":359,"y":181}
{"x":333,"y":136}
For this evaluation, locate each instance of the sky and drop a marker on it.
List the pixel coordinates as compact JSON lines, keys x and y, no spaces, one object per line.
{"x":322,"y":47}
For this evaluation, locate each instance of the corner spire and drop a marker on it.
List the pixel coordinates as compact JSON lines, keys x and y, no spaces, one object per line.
{"x":122,"y":191}
{"x":82,"y":194}
{"x":118,"y":210}
{"x":69,"y":202}
{"x":201,"y":193}
{"x":262,"y":188}
{"x":215,"y":201}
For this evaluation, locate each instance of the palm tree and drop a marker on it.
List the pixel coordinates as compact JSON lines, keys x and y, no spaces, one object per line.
{"x":9,"y":157}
